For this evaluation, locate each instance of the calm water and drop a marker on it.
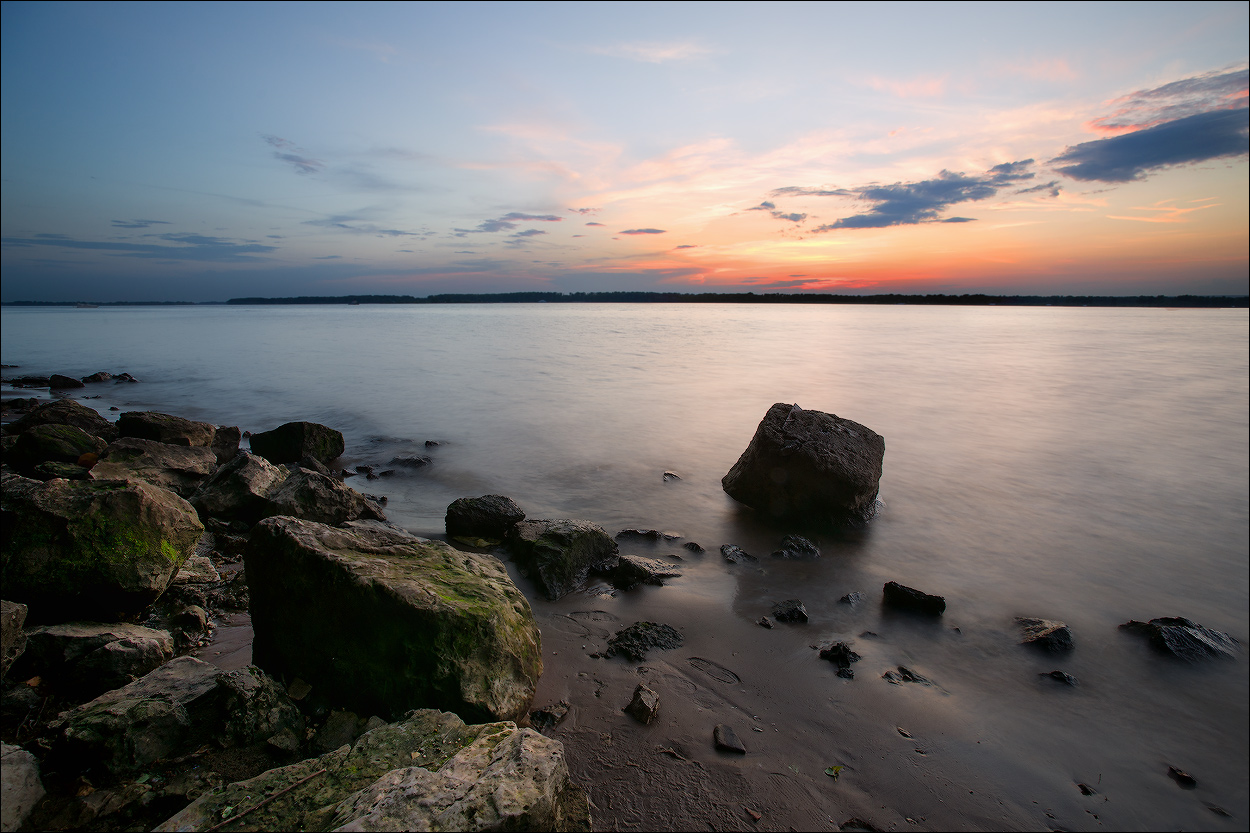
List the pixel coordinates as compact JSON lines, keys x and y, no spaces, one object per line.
{"x":1088,"y":465}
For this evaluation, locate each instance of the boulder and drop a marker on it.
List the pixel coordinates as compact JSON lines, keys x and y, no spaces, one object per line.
{"x":487,"y":518}
{"x":171,"y":711}
{"x":840,"y":654}
{"x":645,"y":705}
{"x":163,"y":428}
{"x":91,"y":658}
{"x":101,"y":550}
{"x":381,"y":621}
{"x":791,"y":610}
{"x":65,"y":412}
{"x":12,"y":636}
{"x":430,"y":771}
{"x":239,"y":490}
{"x":560,"y":554}
{"x":908,"y":598}
{"x":293,"y":441}
{"x":181,"y":469}
{"x":51,"y":443}
{"x":226,"y":442}
{"x":808,"y":466}
{"x":1185,"y":639}
{"x":735,"y":554}
{"x":796,"y":546}
{"x":1044,"y":633}
{"x":316,"y":497}
{"x":639,"y":638}
{"x":53,"y":470}
{"x":633,"y":570}
{"x":59,"y":382}
{"x":20,"y":787}
{"x":99,"y":376}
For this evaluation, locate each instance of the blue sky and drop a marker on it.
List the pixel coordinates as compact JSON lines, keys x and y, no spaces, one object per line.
{"x":204,"y":151}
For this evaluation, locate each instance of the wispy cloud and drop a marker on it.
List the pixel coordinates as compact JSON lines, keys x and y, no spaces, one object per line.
{"x":655,"y":52}
{"x":509,"y":222}
{"x":924,"y":86}
{"x":1211,"y":91}
{"x":1165,"y":212}
{"x":643,"y":231}
{"x":286,"y":150}
{"x":188,"y":247}
{"x":139,"y":223}
{"x":780,"y":215}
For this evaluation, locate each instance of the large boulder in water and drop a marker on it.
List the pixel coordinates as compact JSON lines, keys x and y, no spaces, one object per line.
{"x":560,"y":554}
{"x":1184,"y":638}
{"x":382,"y":621}
{"x":163,"y":428}
{"x":809,"y":466}
{"x":487,"y":519}
{"x":66,"y":412}
{"x":101,"y":550}
{"x":429,"y":771}
{"x":294,"y":441}
{"x":181,"y":469}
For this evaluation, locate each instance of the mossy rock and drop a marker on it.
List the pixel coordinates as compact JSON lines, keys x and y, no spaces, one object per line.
{"x":51,"y":443}
{"x":101,"y":550}
{"x":65,"y":412}
{"x":381,"y":621}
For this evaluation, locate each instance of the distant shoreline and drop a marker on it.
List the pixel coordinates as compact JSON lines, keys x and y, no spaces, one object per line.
{"x":975,"y":300}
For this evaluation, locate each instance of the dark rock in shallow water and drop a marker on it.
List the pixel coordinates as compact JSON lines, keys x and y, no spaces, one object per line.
{"x":645,"y":705}
{"x":908,"y":598}
{"x":413,"y":462}
{"x":737,"y":555}
{"x":646,"y":534}
{"x":163,"y":428}
{"x":693,"y":546}
{"x":58,"y":382}
{"x":726,"y":739}
{"x":1059,"y":676}
{"x":633,"y":570}
{"x":639,"y":638}
{"x":809,"y":466}
{"x":292,"y":441}
{"x":853,"y":599}
{"x":101,"y":376}
{"x":791,"y":610}
{"x":487,"y":518}
{"x":30,"y":382}
{"x":1182,"y":777}
{"x":1185,"y":639}
{"x":559,"y":554}
{"x":1045,"y":633}
{"x":847,"y":673}
{"x":796,"y":546}
{"x":764,"y":622}
{"x":840,"y":654}
{"x":905,"y":675}
{"x":670,"y":476}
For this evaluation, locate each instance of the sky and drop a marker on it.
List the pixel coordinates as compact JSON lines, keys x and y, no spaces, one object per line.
{"x":203,"y":151}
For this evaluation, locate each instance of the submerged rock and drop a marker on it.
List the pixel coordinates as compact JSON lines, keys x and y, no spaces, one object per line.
{"x":1185,"y":639}
{"x":430,"y":771}
{"x":99,"y":550}
{"x":796,"y":546}
{"x":292,"y":441}
{"x":487,"y":518}
{"x":809,"y":466}
{"x":639,"y":638}
{"x":382,"y":621}
{"x":905,"y":675}
{"x":908,"y":598}
{"x":791,"y":610}
{"x":560,"y":554}
{"x":1061,"y":677}
{"x":1045,"y":633}
{"x":840,"y":654}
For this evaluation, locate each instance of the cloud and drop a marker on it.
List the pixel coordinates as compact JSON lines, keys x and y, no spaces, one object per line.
{"x":1211,"y":91}
{"x":139,"y":223}
{"x":922,"y":87}
{"x":531,"y":232}
{"x":643,"y":231}
{"x":655,"y":52}
{"x":351,"y":223}
{"x":544,"y":218}
{"x":764,"y":206}
{"x":594,"y":224}
{"x":584,"y":210}
{"x":509,"y":221}
{"x":1196,"y":138}
{"x":329,"y":257}
{"x":687,"y":246}
{"x":302,"y":164}
{"x":798,"y":191}
{"x":911,"y":203}
{"x":1053,"y":187}
{"x":191,"y":247}
{"x":771,"y":208}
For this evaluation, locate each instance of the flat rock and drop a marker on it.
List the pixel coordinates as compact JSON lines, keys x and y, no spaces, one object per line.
{"x":908,"y":598}
{"x":180,"y":468}
{"x":560,"y":554}
{"x":639,"y":638}
{"x":1185,"y":639}
{"x":91,"y":657}
{"x":1045,"y":633}
{"x":65,"y":412}
{"x":809,"y":466}
{"x":726,"y":739}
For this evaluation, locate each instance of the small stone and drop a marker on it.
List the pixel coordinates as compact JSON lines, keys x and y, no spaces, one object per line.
{"x":791,"y":610}
{"x":1045,"y":633}
{"x":904,"y":675}
{"x":670,"y":476}
{"x":693,"y":547}
{"x":764,"y":622}
{"x":853,"y":599}
{"x":736,"y":555}
{"x":840,"y":654}
{"x":846,"y":673}
{"x":645,"y":706}
{"x":1066,"y":679}
{"x":1184,"y":779}
{"x":549,"y":717}
{"x":796,"y":546}
{"x":726,"y":740}
{"x":908,"y":598}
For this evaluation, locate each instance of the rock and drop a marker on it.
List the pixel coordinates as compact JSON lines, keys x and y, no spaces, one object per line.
{"x":1185,"y":639}
{"x":726,"y":739}
{"x":736,"y":555}
{"x":639,"y":638}
{"x":1184,"y":779}
{"x":90,"y":658}
{"x":20,"y":787}
{"x":1059,"y":676}
{"x":12,"y":637}
{"x":51,"y":443}
{"x":449,"y":776}
{"x":853,"y":599}
{"x":1046,"y":634}
{"x":633,"y":570}
{"x":172,"y":711}
{"x":764,"y":622}
{"x":796,"y":546}
{"x":381,"y":621}
{"x":905,"y":675}
{"x":316,"y":497}
{"x":59,"y":471}
{"x":180,"y":468}
{"x":549,"y":717}
{"x":123,"y":377}
{"x":239,"y":490}
{"x":163,"y":428}
{"x":560,"y":554}
{"x":488,"y":518}
{"x":908,"y":598}
{"x":99,"y":550}
{"x":341,"y":729}
{"x":198,"y":569}
{"x":840,"y":654}
{"x":312,"y":464}
{"x":30,"y":382}
{"x":809,"y":466}
{"x":653,"y":535}
{"x":58,"y":382}
{"x":791,"y":610}
{"x":416,"y":462}
{"x":226,"y":442}
{"x":191,"y":620}
{"x":645,"y":705}
{"x":101,"y":376}
{"x":693,"y":546}
{"x":292,"y":441}
{"x":18,"y":404}
{"x":846,"y":672}
{"x":670,"y":476}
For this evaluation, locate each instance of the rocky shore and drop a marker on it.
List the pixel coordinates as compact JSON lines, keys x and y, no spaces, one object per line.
{"x":397,"y":682}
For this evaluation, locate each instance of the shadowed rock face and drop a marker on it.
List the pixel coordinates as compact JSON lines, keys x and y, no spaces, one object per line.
{"x":163,"y":428}
{"x":560,"y":554}
{"x":810,"y":467}
{"x":66,"y":412}
{"x":179,"y":468}
{"x":293,"y":441}
{"x":382,"y":621}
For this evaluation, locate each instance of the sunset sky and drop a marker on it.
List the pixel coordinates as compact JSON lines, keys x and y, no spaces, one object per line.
{"x":188,"y":151}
